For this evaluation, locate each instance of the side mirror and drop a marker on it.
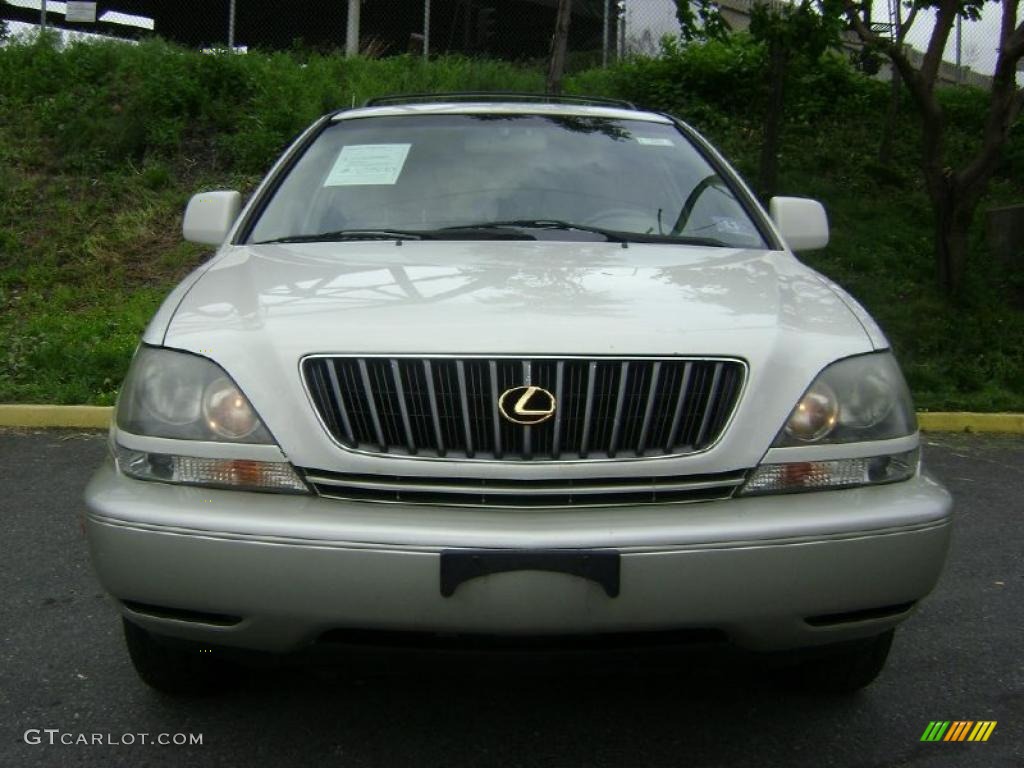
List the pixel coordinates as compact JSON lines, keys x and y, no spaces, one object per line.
{"x":802,"y":223}
{"x":209,"y":216}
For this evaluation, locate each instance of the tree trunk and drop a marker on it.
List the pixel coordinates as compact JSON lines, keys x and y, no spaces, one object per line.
{"x":559,"y":43}
{"x":891,"y":118}
{"x":954,"y":207}
{"x":951,"y":249}
{"x":772,"y":134}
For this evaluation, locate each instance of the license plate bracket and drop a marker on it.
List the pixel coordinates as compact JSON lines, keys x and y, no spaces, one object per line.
{"x":598,"y":565}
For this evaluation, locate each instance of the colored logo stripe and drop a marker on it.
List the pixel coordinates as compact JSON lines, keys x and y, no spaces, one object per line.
{"x":982,"y":730}
{"x":958,"y":730}
{"x":935,"y":730}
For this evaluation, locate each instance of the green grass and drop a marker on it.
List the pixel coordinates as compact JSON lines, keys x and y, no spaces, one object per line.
{"x":101,"y":146}
{"x":85,"y":263}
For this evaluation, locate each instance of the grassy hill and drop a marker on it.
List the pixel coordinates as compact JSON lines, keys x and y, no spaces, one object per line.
{"x":101,"y":146}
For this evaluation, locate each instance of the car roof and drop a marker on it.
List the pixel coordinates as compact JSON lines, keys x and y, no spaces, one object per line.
{"x":517,"y":107}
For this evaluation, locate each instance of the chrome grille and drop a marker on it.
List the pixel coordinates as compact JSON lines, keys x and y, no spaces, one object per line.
{"x":448,"y":408}
{"x":496,"y":492}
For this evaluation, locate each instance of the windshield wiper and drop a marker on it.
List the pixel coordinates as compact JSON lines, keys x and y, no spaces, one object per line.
{"x":475,"y":232}
{"x":492,"y":230}
{"x":536,"y":224}
{"x":340,"y":235}
{"x":610,"y":235}
{"x":449,"y":233}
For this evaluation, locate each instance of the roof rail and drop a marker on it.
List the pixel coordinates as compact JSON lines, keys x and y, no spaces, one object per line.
{"x":495,"y":96}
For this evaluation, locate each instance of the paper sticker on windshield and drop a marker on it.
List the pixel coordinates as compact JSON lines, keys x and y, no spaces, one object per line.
{"x":363,"y":164}
{"x":729,"y":226}
{"x":652,"y":142}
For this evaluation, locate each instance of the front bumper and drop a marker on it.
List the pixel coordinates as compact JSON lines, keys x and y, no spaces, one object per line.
{"x":293,"y":568}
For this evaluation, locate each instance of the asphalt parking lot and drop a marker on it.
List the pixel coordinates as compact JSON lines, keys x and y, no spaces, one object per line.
{"x":63,"y":666}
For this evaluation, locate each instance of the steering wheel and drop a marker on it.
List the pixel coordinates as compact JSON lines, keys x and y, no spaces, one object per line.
{"x":691,"y":201}
{"x":624,"y":219}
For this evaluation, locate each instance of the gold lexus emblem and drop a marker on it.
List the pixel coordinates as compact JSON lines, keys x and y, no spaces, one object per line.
{"x":527,"y":405}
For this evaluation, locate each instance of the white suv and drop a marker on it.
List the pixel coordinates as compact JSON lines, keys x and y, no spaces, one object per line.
{"x":511,"y":366}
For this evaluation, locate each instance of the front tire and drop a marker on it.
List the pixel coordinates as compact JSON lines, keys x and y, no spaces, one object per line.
{"x":178,"y":671}
{"x":845,"y":669}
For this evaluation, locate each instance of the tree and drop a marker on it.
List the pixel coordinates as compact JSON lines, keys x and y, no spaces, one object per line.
{"x":790,"y":32}
{"x":701,"y":20}
{"x":803,"y":31}
{"x":897,"y":33}
{"x":559,"y":43}
{"x":955,"y":188}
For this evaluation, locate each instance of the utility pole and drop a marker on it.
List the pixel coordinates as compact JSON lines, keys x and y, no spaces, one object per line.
{"x":885,"y":147}
{"x":621,"y":4}
{"x":559,"y":42}
{"x":42,"y":15}
{"x":604,"y":37}
{"x":959,"y":48}
{"x":352,"y":29}
{"x":426,"y":29}
{"x":231,"y":25}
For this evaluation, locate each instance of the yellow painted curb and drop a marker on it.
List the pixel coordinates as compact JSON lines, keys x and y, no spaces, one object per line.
{"x":98,"y":417}
{"x":68,"y":416}
{"x":964,"y":421}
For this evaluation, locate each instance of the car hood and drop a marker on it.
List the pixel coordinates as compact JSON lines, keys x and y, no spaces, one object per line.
{"x":501,"y":297}
{"x":257,"y":310}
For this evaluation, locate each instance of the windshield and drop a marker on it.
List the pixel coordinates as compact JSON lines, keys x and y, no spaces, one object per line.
{"x":501,"y":176}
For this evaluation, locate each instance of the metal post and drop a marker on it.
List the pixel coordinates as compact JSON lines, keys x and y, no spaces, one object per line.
{"x":426,"y":29}
{"x":959,"y":48}
{"x":604,"y":39}
{"x":231,"y":25}
{"x":352,"y":31}
{"x":622,"y":29}
{"x":42,"y":15}
{"x":559,"y":46}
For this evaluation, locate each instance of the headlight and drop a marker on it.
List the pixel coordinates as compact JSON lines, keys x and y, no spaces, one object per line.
{"x":815,"y":415}
{"x":187,"y":397}
{"x":857,"y":400}
{"x":854,"y":400}
{"x":227,"y":411}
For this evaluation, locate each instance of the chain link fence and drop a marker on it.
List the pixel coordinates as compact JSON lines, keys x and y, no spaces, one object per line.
{"x":507,"y":29}
{"x":601,"y":31}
